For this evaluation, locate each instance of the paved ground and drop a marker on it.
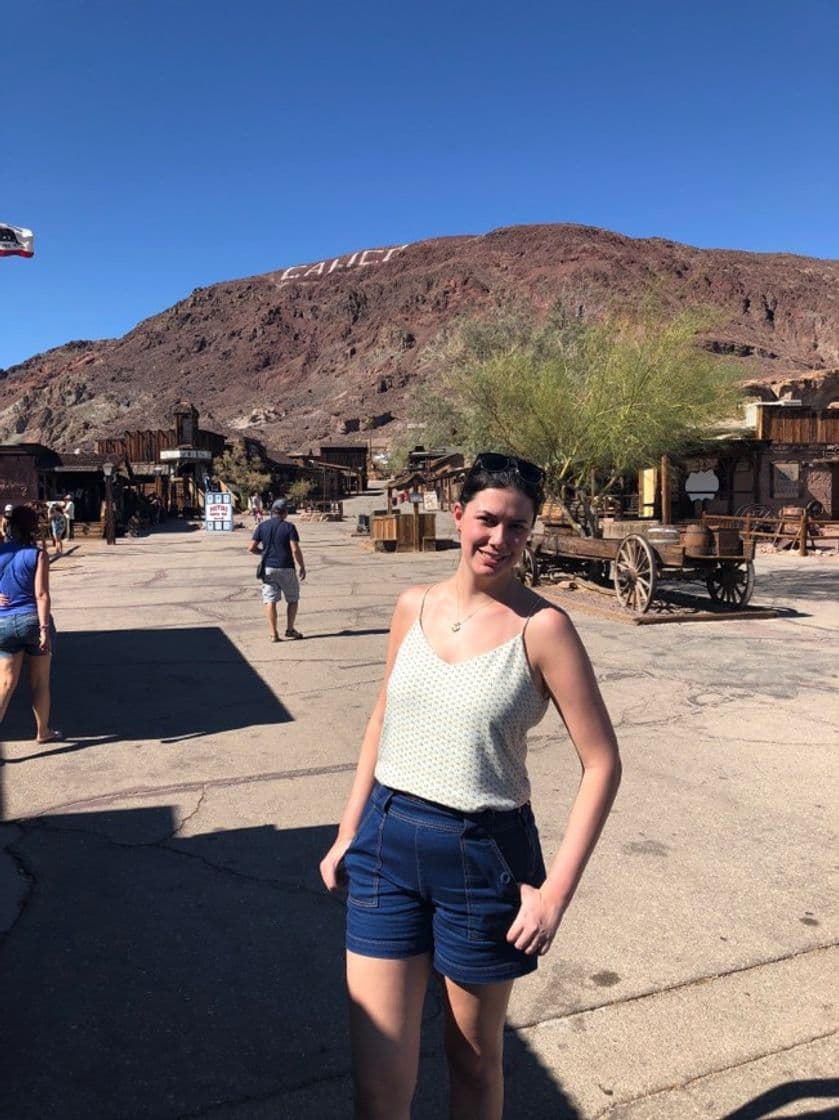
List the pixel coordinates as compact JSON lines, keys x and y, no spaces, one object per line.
{"x":169,"y":953}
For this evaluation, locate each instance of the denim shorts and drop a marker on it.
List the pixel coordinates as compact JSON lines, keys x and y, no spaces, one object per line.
{"x":423,"y":878}
{"x":21,"y":632}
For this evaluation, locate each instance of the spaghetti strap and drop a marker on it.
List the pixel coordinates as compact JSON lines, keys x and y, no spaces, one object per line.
{"x":422,"y":604}
{"x":537,"y":607}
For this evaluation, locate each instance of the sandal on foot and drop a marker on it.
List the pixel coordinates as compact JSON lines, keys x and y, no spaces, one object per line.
{"x":275,"y":637}
{"x":295,"y":634}
{"x":53,"y":737}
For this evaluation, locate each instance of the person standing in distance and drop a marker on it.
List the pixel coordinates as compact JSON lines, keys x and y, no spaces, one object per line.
{"x":58,"y":526}
{"x":278,"y":542}
{"x":69,"y":515}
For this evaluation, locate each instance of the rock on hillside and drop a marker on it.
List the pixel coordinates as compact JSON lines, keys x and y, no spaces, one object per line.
{"x":315,"y":351}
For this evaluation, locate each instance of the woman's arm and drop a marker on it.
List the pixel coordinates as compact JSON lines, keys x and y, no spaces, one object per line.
{"x":404,"y":615}
{"x":556,"y":652}
{"x":42,"y":598}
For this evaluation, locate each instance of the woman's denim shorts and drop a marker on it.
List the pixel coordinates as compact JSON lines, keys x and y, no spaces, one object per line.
{"x":20,"y":632}
{"x":426,"y":879}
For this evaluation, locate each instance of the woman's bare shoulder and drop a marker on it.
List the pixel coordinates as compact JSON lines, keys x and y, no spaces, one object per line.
{"x":548,"y":624}
{"x":410,"y":601}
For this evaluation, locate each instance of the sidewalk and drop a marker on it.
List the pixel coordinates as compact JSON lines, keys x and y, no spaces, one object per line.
{"x":169,"y":952}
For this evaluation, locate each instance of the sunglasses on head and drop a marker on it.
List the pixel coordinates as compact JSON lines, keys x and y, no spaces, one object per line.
{"x":492,"y":461}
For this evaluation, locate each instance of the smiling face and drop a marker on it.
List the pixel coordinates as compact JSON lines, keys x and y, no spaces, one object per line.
{"x":494,"y":526}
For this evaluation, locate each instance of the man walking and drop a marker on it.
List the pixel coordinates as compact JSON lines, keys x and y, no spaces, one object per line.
{"x":279,"y":544}
{"x":70,"y":515}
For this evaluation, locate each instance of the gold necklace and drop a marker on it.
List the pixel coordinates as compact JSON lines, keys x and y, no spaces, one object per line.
{"x":458,"y":622}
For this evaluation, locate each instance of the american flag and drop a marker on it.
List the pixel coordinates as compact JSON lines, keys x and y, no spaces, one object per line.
{"x":16,"y":242}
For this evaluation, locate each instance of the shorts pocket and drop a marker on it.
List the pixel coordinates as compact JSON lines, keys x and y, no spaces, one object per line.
{"x":363,"y":861}
{"x":493,"y":867}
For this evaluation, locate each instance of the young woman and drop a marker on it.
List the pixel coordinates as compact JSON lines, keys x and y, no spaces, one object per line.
{"x":58,"y":526}
{"x":437,"y":851}
{"x":25,"y":623}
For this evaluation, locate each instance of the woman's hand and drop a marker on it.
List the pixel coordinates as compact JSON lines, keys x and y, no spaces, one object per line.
{"x":537,"y":921}
{"x":4,"y":601}
{"x":332,"y":868}
{"x":44,"y":639}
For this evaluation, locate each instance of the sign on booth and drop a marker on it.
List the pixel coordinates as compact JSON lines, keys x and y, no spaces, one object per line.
{"x":218,"y":512}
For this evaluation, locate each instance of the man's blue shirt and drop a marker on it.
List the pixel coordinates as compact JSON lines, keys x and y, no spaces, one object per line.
{"x":275,"y":537}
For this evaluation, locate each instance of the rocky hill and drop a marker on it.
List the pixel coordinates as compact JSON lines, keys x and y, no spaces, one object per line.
{"x":319,"y":350}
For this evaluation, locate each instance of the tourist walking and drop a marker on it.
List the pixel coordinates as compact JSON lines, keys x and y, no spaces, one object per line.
{"x":4,"y":523}
{"x":278,"y":543}
{"x":25,"y":622}
{"x":437,"y":852}
{"x":255,"y":506}
{"x":58,"y":526}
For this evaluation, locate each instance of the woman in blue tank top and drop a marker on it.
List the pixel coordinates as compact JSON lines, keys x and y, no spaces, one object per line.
{"x":437,"y":853}
{"x":25,"y":624}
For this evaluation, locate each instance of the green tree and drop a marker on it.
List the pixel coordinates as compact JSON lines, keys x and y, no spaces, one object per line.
{"x":589,"y":401}
{"x":300,"y":489}
{"x":397,"y":455}
{"x":237,"y":469}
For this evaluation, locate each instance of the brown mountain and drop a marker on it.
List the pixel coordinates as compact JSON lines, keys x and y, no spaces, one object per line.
{"x":318,"y":350}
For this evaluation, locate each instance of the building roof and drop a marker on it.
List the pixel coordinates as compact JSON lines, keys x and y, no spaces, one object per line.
{"x":82,"y":460}
{"x":23,"y":449}
{"x":334,"y":445}
{"x":281,"y":459}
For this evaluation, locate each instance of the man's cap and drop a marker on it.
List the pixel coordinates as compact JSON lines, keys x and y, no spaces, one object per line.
{"x":8,"y":508}
{"x":280,"y":506}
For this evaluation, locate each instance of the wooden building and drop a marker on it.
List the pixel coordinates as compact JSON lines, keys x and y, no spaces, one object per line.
{"x":31,"y":472}
{"x":352,"y":456}
{"x":785,"y":455}
{"x":21,"y":467}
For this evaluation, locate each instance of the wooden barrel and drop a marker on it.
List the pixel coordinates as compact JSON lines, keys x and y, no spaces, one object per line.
{"x":696,"y":539}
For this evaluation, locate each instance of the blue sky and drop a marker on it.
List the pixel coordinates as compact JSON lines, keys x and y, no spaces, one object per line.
{"x":164,"y":145}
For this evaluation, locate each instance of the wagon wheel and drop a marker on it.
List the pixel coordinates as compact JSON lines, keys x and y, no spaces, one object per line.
{"x":762,"y":517}
{"x":731,"y":582}
{"x":635,"y":574}
{"x":753,"y":509}
{"x":528,"y":568}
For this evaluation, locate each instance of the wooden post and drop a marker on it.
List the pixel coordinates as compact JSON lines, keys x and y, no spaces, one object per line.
{"x":665,"y":490}
{"x":417,"y":541}
{"x":802,"y":533}
{"x":390,"y":499}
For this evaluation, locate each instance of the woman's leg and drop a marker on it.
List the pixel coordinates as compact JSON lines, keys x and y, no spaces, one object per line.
{"x":475,"y":1048}
{"x":386,"y":999}
{"x":39,"y":683}
{"x":9,"y":676}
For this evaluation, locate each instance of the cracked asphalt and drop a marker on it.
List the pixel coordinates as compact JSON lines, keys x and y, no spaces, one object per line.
{"x":167,"y":952}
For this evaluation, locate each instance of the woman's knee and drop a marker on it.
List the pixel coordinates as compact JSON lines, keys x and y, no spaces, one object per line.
{"x":475,"y":1065}
{"x":383,"y":1096}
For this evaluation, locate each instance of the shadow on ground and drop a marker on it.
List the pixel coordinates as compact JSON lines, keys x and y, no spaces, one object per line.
{"x":112,"y":686}
{"x":155,"y":976}
{"x":818,"y":584}
{"x":791,"y":1092}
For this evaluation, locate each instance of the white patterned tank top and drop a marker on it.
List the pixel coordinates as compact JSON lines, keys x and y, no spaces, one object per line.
{"x":457,"y":733}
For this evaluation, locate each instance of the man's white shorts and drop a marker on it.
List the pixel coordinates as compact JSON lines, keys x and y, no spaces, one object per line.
{"x":279,"y":582}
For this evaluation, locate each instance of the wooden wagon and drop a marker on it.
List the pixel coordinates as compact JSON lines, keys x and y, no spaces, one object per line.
{"x":638,"y":563}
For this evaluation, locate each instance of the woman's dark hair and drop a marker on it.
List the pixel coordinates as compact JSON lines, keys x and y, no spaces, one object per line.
{"x":23,"y":523}
{"x":492,"y":471}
